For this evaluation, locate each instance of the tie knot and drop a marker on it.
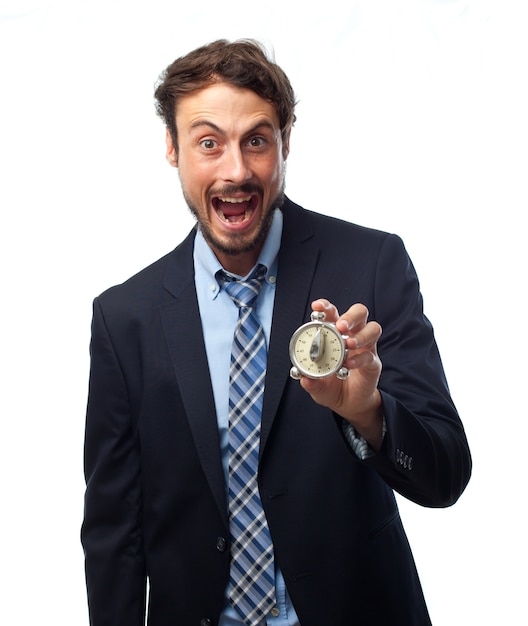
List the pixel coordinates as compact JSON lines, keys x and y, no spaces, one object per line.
{"x":243,"y":292}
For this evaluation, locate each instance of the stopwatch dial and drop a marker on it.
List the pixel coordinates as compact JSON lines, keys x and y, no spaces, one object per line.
{"x":317,"y":350}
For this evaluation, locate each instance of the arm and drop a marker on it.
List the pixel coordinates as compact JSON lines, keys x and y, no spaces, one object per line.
{"x":398,"y":375}
{"x":111,"y":532}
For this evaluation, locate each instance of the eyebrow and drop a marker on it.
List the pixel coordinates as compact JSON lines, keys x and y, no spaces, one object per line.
{"x":199,"y":123}
{"x":213,"y":126}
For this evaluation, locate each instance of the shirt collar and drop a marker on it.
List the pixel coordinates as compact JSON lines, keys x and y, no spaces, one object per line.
{"x":208,"y":264}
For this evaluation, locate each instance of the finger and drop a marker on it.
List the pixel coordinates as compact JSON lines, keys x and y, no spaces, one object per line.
{"x":325,"y":306}
{"x":368,"y":359}
{"x":365,"y":338}
{"x":354,"y":319}
{"x":325,"y":391}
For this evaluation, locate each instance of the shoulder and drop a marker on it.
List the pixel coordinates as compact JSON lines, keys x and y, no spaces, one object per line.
{"x":335,"y":232}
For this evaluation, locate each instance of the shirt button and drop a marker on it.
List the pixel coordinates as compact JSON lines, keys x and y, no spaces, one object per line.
{"x":272,"y":279}
{"x":275,"y":612}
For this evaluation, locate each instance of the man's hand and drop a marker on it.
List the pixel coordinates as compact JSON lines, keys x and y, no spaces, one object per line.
{"x":357,"y":398}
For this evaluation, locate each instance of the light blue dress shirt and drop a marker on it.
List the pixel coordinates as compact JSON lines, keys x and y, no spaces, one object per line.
{"x":219,"y":316}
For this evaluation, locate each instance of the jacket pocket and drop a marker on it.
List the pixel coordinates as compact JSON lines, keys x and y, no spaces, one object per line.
{"x":384,"y":525}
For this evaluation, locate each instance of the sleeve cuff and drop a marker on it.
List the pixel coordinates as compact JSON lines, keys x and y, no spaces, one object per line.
{"x":359,"y":445}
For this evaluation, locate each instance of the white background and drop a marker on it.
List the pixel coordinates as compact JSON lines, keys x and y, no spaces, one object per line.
{"x":412,"y":118}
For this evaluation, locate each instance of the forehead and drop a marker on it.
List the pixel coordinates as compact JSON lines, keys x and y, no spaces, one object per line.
{"x":225,"y":106}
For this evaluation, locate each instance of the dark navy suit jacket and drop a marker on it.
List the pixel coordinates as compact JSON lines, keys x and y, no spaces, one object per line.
{"x":156,"y":500}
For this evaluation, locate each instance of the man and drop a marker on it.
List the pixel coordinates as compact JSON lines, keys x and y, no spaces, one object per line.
{"x":162,"y":499}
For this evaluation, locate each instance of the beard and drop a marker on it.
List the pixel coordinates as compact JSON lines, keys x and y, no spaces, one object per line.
{"x":237,"y":243}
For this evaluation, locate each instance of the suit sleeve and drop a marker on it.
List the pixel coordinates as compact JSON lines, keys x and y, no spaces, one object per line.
{"x":425,"y":454}
{"x":111,"y":532}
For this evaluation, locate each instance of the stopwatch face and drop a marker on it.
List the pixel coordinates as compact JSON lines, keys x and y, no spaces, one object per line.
{"x":317,"y":349}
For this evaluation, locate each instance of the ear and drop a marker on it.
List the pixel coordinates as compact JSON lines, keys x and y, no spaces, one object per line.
{"x":286,"y":145}
{"x":172,"y":154}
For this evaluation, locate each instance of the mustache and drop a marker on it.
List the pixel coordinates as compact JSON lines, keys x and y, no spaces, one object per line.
{"x":230,"y":190}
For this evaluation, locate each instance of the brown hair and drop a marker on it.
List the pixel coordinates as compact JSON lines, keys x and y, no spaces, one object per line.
{"x":243,"y":63}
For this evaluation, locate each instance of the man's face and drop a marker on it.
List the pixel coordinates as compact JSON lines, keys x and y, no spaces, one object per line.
{"x":231,"y":160}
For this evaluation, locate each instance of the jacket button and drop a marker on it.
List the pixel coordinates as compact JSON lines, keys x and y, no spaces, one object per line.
{"x":205,"y":622}
{"x":221,"y":544}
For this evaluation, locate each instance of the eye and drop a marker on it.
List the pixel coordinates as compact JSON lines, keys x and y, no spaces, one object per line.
{"x":208,"y":144}
{"x":256,"y":142}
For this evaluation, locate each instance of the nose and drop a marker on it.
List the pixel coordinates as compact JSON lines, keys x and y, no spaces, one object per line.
{"x":235,"y":166}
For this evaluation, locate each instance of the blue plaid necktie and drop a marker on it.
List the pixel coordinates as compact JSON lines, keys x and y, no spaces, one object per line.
{"x":252,"y":576}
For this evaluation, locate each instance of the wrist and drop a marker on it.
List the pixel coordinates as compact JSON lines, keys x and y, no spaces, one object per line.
{"x":369,"y":423}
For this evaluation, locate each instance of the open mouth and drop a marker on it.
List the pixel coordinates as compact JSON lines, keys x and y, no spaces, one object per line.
{"x":235,"y":210}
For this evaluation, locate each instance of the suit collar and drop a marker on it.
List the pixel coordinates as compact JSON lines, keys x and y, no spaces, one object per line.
{"x":180,"y":268}
{"x":297,"y":262}
{"x":183,"y":331}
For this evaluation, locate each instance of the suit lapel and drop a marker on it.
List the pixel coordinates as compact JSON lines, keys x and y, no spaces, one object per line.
{"x":297,"y":262}
{"x":183,"y":330}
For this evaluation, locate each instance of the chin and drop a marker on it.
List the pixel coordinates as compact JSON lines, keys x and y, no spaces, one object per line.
{"x":234,"y":245}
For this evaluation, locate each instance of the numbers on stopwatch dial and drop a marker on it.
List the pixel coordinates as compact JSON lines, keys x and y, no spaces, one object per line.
{"x":317,"y":349}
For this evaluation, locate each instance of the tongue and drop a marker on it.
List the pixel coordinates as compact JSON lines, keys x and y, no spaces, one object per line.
{"x":231,"y":209}
{"x":235,"y":219}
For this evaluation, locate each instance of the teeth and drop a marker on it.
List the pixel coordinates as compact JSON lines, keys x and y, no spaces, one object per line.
{"x":235,"y":200}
